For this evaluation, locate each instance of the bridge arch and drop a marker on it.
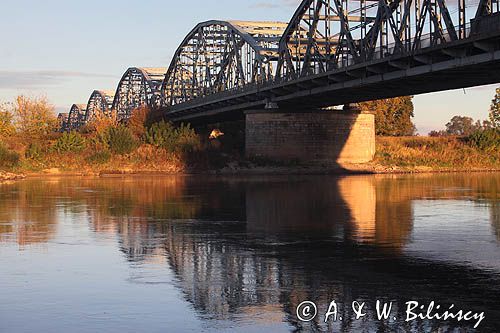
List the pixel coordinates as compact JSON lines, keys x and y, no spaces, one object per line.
{"x":222,"y":55}
{"x":138,"y":87}
{"x":100,"y":101}
{"x":76,"y":116}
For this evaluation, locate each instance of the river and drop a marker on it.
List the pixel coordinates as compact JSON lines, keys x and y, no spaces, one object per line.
{"x":240,"y":254}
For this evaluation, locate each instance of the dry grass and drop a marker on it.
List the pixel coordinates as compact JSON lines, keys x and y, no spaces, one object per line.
{"x":145,"y":158}
{"x":441,"y":153}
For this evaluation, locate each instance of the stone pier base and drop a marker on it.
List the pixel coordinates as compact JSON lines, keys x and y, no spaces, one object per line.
{"x":311,"y":136}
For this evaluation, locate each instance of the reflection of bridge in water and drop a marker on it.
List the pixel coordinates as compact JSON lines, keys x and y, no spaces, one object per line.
{"x":331,"y":52}
{"x":238,"y":250}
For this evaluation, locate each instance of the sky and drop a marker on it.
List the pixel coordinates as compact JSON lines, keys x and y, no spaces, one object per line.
{"x":66,"y":49}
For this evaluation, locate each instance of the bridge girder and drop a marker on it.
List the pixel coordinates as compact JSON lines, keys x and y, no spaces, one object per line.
{"x":222,"y":55}
{"x":138,"y":87}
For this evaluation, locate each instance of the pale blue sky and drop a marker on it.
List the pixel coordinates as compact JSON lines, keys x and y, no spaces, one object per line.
{"x":66,"y":49}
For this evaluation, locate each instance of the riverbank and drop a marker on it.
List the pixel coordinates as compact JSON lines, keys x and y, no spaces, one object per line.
{"x":434,"y":154}
{"x":6,"y":176}
{"x":394,"y":155}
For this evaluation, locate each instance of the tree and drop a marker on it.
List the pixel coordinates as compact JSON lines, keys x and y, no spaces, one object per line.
{"x":34,"y":116}
{"x":459,"y":125}
{"x":495,"y":110}
{"x":437,"y":133}
{"x":6,"y":121}
{"x":392,"y":115}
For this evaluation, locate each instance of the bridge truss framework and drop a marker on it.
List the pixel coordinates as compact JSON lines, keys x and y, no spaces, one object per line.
{"x":331,"y":52}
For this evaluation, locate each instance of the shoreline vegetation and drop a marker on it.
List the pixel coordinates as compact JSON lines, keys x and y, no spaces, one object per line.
{"x":32,"y":145}
{"x":394,"y":155}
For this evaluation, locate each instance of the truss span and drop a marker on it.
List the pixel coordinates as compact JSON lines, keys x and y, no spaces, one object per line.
{"x":342,"y":33}
{"x":76,"y":116}
{"x":99,"y":102}
{"x":138,"y":87}
{"x":218,"y":56}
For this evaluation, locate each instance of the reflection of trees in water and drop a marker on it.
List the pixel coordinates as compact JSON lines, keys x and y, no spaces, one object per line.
{"x":139,"y":198}
{"x":29,"y":208}
{"x":28,"y":211}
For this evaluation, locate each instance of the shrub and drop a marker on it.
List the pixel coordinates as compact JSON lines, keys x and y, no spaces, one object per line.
{"x":99,"y":157}
{"x":165,"y":135}
{"x":187,"y":140}
{"x":34,"y":151}
{"x":120,"y":140}
{"x":72,"y":142}
{"x":161,"y":135}
{"x":8,"y":158}
{"x":485,"y":139}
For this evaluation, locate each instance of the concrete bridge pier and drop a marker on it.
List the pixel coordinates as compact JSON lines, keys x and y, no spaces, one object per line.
{"x":312,"y":136}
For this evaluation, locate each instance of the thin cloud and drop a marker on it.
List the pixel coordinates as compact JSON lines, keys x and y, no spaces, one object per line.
{"x":43,"y":78}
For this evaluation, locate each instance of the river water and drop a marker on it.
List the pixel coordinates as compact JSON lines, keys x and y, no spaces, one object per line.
{"x":240,"y":254}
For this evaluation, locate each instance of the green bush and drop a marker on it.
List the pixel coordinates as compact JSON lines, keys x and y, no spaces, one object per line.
{"x":187,"y":140}
{"x":8,"y":158}
{"x":162,"y":135}
{"x":165,"y":135}
{"x":72,"y":142}
{"x":34,"y":151}
{"x":121,"y":140}
{"x":485,"y":139}
{"x":99,"y":157}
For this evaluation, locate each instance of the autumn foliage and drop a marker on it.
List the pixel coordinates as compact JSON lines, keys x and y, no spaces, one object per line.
{"x":138,"y":121}
{"x":393,"y":116}
{"x":33,"y":117}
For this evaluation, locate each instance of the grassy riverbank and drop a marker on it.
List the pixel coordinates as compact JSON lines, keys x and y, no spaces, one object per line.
{"x":418,"y":154}
{"x":402,"y":154}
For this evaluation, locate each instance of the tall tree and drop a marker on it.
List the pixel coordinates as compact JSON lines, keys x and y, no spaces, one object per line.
{"x":393,"y":116}
{"x":34,"y":117}
{"x":495,"y":110}
{"x":460,"y":125}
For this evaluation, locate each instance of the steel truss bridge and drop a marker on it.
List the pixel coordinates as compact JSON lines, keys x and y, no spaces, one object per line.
{"x":332,"y":52}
